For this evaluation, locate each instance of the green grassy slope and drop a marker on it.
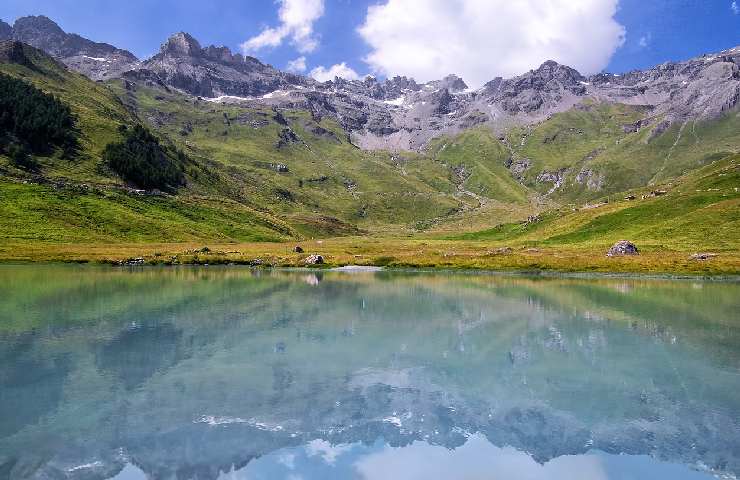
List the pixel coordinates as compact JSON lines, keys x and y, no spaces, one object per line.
{"x":701,"y":210}
{"x":81,"y":199}
{"x":326,"y":175}
{"x":590,"y":140}
{"x":99,"y":112}
{"x":480,"y":160}
{"x":330,"y":187}
{"x":31,"y":212}
{"x":256,"y":174}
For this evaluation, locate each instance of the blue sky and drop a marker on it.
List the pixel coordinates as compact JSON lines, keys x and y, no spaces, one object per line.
{"x":639,"y":33}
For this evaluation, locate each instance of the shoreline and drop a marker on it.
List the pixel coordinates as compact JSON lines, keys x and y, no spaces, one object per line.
{"x":393,"y":254}
{"x":365,"y":269}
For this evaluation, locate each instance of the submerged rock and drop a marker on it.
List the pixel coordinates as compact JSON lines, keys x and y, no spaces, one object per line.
{"x":622,"y":248}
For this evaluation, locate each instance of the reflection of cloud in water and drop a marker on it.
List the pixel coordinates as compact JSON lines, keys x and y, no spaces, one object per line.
{"x":476,"y":459}
{"x":326,"y":450}
{"x":130,"y":472}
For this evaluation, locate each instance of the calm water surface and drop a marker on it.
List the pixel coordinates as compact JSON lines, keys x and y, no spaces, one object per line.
{"x":229,"y":373}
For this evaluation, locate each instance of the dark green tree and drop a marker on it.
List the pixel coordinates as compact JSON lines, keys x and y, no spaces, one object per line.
{"x":141,"y":160}
{"x":33,"y":122}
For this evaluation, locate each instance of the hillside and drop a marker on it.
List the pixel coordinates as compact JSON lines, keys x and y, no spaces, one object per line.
{"x":287,"y":166}
{"x":700,"y":210}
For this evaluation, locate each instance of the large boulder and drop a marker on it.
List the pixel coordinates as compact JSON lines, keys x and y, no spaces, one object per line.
{"x":314,"y":260}
{"x":622,"y":248}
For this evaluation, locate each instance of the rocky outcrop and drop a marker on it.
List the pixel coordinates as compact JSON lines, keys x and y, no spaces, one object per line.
{"x":557,"y":178}
{"x":451,"y":83}
{"x":214,"y":71}
{"x":518,"y":167}
{"x":594,"y":181}
{"x":287,"y":137}
{"x":6,"y":31}
{"x":623,"y":248}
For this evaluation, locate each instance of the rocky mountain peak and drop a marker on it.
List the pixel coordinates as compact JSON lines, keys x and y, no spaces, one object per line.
{"x":451,"y":82}
{"x":182,"y":45}
{"x":39,"y":23}
{"x":214,"y":71}
{"x":41,"y":32}
{"x":98,"y":61}
{"x":553,"y":70}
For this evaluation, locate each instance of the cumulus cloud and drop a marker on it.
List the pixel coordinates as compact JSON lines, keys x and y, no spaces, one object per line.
{"x":296,"y":23}
{"x":340,"y":70}
{"x":735,"y":7}
{"x":297,"y":66}
{"x":482,"y":39}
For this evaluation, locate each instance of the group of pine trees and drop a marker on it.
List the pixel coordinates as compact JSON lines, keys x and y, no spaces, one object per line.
{"x":33,"y":123}
{"x":140,"y":159}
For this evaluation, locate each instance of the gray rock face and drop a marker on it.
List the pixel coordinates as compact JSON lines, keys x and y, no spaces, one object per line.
{"x":99,"y":61}
{"x":701,"y":88}
{"x":182,"y":45}
{"x":215,"y":72}
{"x":399,"y":113}
{"x":545,"y":87}
{"x":451,"y":83}
{"x":593,"y":180}
{"x":622,"y":248}
{"x":519,"y":167}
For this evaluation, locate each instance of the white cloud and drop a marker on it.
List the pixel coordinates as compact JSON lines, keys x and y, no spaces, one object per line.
{"x":735,"y":8}
{"x":297,"y":66}
{"x":483,"y":39}
{"x":340,"y":70}
{"x":645,"y":40}
{"x":296,"y":22}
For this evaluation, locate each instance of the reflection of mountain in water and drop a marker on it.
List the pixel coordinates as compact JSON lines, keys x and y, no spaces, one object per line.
{"x":195,"y":372}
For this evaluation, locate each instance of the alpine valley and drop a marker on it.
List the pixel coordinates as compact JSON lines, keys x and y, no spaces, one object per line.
{"x":202,"y":155}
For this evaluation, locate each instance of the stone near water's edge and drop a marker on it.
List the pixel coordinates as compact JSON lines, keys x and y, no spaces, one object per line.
{"x":623,"y":248}
{"x":314,"y":260}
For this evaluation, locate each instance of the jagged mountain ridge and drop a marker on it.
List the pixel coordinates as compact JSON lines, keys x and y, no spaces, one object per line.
{"x":215,"y":71}
{"x":99,"y":61}
{"x":399,"y":113}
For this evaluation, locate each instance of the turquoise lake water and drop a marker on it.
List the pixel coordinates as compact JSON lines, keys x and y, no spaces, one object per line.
{"x":232,"y":373}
